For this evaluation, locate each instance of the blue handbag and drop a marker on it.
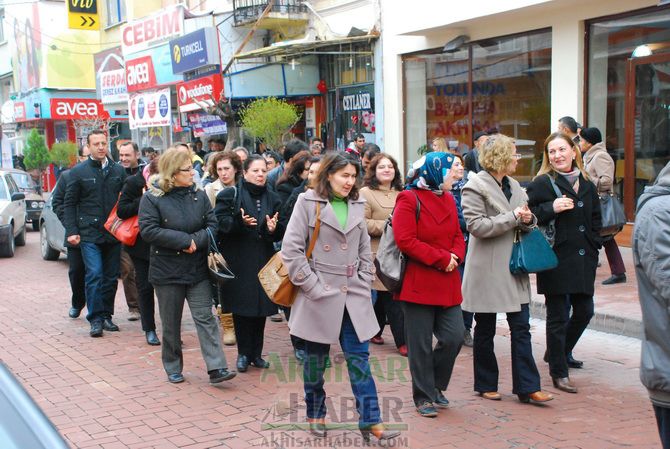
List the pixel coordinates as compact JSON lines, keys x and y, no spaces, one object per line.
{"x":531,"y":253}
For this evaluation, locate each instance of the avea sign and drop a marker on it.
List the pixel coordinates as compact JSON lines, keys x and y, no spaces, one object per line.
{"x":77,"y":109}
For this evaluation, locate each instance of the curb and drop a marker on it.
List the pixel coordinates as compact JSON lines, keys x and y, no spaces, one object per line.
{"x":603,"y":322}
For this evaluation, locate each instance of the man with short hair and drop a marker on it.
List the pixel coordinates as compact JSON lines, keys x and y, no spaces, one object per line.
{"x":149,"y":154}
{"x":90,"y":196}
{"x":568,"y":125}
{"x":370,"y":151}
{"x":242,"y":152}
{"x":292,"y":148}
{"x":358,"y":147}
{"x":651,"y":254}
{"x":472,"y":157}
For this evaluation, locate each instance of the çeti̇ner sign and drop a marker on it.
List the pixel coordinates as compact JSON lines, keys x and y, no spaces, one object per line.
{"x":194,"y":50}
{"x":356,"y":102}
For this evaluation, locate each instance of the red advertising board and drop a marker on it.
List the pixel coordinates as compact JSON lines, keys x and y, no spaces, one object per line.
{"x":202,"y":89}
{"x":77,"y":109}
{"x":140,"y":74}
{"x":19,"y":111}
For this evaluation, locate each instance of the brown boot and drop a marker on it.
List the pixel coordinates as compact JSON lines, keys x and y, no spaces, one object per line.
{"x":228,"y":329}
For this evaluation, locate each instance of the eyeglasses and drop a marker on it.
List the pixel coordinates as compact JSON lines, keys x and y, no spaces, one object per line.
{"x":186,"y":170}
{"x":517,"y":156}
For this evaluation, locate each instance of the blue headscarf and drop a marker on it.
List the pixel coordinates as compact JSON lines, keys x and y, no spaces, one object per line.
{"x":428,"y":173}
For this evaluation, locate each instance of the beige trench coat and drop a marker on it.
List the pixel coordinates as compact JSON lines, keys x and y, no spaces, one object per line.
{"x":600,"y":167}
{"x":488,"y":285}
{"x":379,"y":205}
{"x":338,"y":275}
{"x":212,"y":189}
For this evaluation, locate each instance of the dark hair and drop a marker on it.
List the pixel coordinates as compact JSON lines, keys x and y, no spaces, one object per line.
{"x":297,"y":167}
{"x":315,"y":160}
{"x":332,"y":163}
{"x":371,"y":180}
{"x":570,"y":123}
{"x":294,"y":147}
{"x":314,"y":139}
{"x":130,"y":142}
{"x":359,"y":136}
{"x":273,"y":155}
{"x":234,"y":159}
{"x":153,"y":166}
{"x":252,"y":158}
{"x":371,"y":150}
{"x":147,"y":150}
{"x":95,"y":131}
{"x":591,"y":135}
{"x":81,"y":151}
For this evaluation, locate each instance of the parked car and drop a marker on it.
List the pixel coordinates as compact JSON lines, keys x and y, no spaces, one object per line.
{"x":12,"y":215}
{"x":34,"y":198}
{"x":52,"y":232}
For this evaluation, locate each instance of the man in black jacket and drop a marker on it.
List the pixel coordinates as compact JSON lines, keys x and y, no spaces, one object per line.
{"x":91,"y":194}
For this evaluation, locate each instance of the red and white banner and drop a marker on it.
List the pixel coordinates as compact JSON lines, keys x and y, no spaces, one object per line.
{"x":113,"y":87}
{"x":205,"y":90}
{"x":140,"y":74}
{"x":77,"y":109}
{"x":19,"y":111}
{"x":152,"y":30}
{"x":147,"y":109}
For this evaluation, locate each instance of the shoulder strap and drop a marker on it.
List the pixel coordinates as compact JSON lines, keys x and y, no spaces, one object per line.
{"x":315,"y":236}
{"x":418,"y":206}
{"x":553,"y":184}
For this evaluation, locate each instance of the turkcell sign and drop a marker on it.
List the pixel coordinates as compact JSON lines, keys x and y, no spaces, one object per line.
{"x":194,"y":50}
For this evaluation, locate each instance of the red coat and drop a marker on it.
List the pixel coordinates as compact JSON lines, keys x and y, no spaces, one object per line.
{"x":428,"y":245}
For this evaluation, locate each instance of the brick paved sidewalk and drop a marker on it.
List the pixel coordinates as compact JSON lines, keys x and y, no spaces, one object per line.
{"x":112,"y":393}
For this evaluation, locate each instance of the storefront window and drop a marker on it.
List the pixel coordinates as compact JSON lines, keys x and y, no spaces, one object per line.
{"x":511,"y":86}
{"x":629,"y":96}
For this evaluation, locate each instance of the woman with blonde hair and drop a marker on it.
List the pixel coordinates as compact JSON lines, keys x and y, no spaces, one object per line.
{"x":562,"y":192}
{"x":494,"y":207}
{"x":440,"y":144}
{"x":176,"y":219}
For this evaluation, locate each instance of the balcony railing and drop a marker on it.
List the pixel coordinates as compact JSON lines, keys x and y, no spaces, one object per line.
{"x":248,"y":11}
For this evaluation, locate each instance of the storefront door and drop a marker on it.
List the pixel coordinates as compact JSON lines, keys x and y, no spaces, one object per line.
{"x":647,"y":135}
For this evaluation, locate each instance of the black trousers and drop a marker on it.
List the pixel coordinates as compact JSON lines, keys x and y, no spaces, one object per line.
{"x":77,"y":273}
{"x":297,"y":342}
{"x":249,"y":332}
{"x":663,"y":423}
{"x":525,"y":377}
{"x":146,"y":294}
{"x":386,"y":307}
{"x":563,"y":331}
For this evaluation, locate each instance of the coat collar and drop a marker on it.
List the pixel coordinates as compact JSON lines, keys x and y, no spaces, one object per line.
{"x":496,"y":195}
{"x":593,"y":151}
{"x":355,"y":212}
{"x":566,"y":187}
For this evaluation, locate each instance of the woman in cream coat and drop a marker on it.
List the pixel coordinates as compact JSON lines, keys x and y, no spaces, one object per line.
{"x":494,"y":206}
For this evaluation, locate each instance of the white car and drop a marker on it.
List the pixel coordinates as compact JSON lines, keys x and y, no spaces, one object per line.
{"x":12,"y":215}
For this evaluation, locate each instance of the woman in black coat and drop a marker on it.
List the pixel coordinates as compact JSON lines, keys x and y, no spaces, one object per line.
{"x":129,"y":206}
{"x":294,"y":176}
{"x":248,"y":226}
{"x":576,"y":215}
{"x":176,"y":219}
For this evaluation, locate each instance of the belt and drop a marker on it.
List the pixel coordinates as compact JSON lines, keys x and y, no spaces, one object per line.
{"x":340,"y":270}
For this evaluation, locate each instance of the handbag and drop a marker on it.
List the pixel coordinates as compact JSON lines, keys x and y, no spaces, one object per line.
{"x":274,"y":275}
{"x":531,"y":253}
{"x":219,"y":272}
{"x":549,"y":230}
{"x":390,"y":262}
{"x":125,"y":231}
{"x":612,"y":215}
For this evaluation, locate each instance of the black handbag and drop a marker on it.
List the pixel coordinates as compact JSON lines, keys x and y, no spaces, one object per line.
{"x":612,"y":216}
{"x":549,"y":230}
{"x":531,"y":253}
{"x":219,"y":272}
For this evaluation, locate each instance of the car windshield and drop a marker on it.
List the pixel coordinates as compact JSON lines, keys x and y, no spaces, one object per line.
{"x":3,"y":190}
{"x":25,"y":182}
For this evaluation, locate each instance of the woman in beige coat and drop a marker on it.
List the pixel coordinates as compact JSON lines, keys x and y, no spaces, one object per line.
{"x":383,"y":182}
{"x":494,"y":207}
{"x":333,"y":303}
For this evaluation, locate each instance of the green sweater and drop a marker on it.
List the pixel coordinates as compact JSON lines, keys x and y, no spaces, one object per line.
{"x":341,"y":209}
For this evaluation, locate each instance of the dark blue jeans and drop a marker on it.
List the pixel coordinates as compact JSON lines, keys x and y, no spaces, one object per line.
{"x":525,"y":377}
{"x":362,"y":383}
{"x":102,"y":262}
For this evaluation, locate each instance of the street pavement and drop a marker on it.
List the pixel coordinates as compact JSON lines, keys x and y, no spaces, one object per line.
{"x":112,"y":392}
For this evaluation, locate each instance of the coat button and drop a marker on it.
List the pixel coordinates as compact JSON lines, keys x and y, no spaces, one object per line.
{"x":301,"y":275}
{"x":582,"y":252}
{"x":326,"y":287}
{"x":326,"y":247}
{"x":343,"y":246}
{"x":580,"y":203}
{"x":344,"y":289}
{"x":582,"y":228}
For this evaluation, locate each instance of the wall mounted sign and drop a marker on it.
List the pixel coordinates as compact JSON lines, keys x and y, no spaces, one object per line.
{"x":77,"y":109}
{"x":147,"y":109}
{"x":194,"y":50}
{"x":207,"y":90}
{"x":152,"y":30}
{"x":356,"y":102}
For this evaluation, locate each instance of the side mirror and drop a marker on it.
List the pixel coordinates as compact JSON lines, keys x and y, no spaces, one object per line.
{"x":16,"y":196}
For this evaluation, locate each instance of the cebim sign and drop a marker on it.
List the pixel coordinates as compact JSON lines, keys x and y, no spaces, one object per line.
{"x":152,"y":30}
{"x":202,"y":89}
{"x":77,"y":109}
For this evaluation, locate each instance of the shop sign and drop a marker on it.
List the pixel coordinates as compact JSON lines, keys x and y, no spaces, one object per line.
{"x":19,"y":111}
{"x":310,"y":114}
{"x":77,"y":109}
{"x":356,"y":102}
{"x":140,"y":74}
{"x":152,"y":30}
{"x":113,"y":87}
{"x":206,"y":125}
{"x":195,"y":50}
{"x":202,"y":71}
{"x":147,"y":109}
{"x":206,"y":90}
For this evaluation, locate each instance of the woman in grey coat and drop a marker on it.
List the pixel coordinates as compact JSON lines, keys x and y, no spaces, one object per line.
{"x":494,"y":207}
{"x":334,"y":301}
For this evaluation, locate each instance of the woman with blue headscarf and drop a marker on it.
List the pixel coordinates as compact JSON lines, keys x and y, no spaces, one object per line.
{"x":426,"y":229}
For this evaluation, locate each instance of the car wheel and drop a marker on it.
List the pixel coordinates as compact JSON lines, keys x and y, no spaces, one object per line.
{"x":20,"y":240}
{"x":7,"y":249}
{"x":36,"y":225}
{"x":48,"y":253}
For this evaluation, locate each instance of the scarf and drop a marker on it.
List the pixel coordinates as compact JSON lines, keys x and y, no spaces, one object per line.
{"x":253,"y":189}
{"x":572,"y":177}
{"x":428,"y":173}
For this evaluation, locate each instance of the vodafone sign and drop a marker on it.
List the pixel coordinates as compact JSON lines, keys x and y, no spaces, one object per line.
{"x":201,"y":89}
{"x":77,"y":109}
{"x":140,"y":74}
{"x":152,"y":30}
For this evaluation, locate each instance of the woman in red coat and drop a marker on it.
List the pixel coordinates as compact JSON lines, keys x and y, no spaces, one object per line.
{"x":431,"y":290}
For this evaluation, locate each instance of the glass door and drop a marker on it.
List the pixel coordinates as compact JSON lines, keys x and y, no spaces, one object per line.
{"x":647,"y":148}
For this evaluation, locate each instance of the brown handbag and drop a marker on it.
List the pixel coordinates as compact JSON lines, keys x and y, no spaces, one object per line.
{"x":274,"y":275}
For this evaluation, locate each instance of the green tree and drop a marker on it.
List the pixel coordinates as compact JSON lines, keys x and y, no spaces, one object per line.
{"x":63,"y":154}
{"x":269,"y":119}
{"x":36,"y":154}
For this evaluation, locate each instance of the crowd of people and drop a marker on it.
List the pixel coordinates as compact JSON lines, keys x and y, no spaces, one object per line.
{"x":455,"y":218}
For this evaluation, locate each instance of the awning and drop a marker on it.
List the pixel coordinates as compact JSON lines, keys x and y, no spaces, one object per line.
{"x":297,"y":48}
